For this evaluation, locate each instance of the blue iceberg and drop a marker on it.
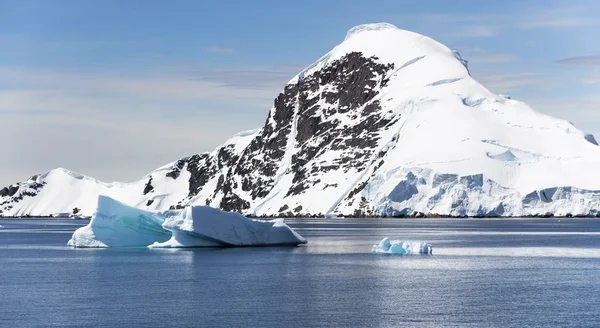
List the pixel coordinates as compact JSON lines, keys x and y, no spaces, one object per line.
{"x":118,"y":225}
{"x":115,"y":224}
{"x":207,"y":226}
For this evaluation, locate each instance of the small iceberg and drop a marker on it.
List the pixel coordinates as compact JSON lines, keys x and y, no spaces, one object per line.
{"x":115,"y":224}
{"x":387,"y":246}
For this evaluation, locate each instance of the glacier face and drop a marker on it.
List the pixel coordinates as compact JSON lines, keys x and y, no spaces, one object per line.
{"x":388,"y":123}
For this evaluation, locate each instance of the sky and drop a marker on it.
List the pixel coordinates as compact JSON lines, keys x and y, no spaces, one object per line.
{"x":114,"y":89}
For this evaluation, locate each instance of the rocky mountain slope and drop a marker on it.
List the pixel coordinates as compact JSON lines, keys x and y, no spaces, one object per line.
{"x":388,"y":123}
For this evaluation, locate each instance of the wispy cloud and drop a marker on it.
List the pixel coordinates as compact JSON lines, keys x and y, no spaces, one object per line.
{"x":492,"y":58}
{"x":476,"y":31}
{"x":222,"y":86}
{"x":508,"y":82}
{"x":246,"y":79}
{"x":220,"y":50}
{"x":479,"y":24}
{"x":561,"y":23}
{"x":154,"y":119}
{"x":110,"y":147}
{"x":561,"y":17}
{"x":593,"y":78}
{"x":581,"y":60}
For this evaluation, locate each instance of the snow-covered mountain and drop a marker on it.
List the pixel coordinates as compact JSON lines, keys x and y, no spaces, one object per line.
{"x":389,"y":122}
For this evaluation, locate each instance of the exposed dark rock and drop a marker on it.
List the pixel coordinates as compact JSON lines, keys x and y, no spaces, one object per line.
{"x":233,"y":203}
{"x":148,"y":188}
{"x":176,"y":171}
{"x":201,"y":170}
{"x":355,"y":80}
{"x":149,"y":202}
{"x":356,"y":190}
{"x":12,"y":190}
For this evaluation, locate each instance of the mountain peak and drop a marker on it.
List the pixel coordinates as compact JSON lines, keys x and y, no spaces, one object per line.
{"x":368,"y":28}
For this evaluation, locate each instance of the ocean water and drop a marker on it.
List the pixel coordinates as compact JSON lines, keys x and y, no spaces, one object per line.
{"x":483,"y":273}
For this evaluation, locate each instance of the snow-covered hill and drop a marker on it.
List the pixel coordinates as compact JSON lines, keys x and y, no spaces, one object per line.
{"x":389,"y":122}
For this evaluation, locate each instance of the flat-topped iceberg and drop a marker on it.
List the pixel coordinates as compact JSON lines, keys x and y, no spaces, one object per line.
{"x":115,"y":224}
{"x":387,"y":246}
{"x":207,"y":226}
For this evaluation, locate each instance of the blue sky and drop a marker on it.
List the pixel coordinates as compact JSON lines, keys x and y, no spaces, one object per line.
{"x":114,"y":89}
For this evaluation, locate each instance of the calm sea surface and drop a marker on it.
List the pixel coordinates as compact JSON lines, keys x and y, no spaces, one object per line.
{"x":483,"y":273}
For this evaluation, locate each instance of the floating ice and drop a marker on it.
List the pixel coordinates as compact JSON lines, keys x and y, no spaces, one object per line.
{"x":117,"y":225}
{"x":387,"y":246}
{"x":206,"y":226}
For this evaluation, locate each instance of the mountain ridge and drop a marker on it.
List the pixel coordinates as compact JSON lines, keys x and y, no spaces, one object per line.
{"x":388,"y":123}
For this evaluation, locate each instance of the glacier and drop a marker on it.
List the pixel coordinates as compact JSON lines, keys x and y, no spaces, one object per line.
{"x":115,"y":224}
{"x":389,"y":123}
{"x":387,"y":246}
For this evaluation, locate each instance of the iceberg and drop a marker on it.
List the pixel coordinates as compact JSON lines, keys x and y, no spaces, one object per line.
{"x":387,"y":246}
{"x":206,"y":226}
{"x":115,"y":224}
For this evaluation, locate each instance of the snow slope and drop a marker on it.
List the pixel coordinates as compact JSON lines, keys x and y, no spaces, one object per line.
{"x":389,"y":122}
